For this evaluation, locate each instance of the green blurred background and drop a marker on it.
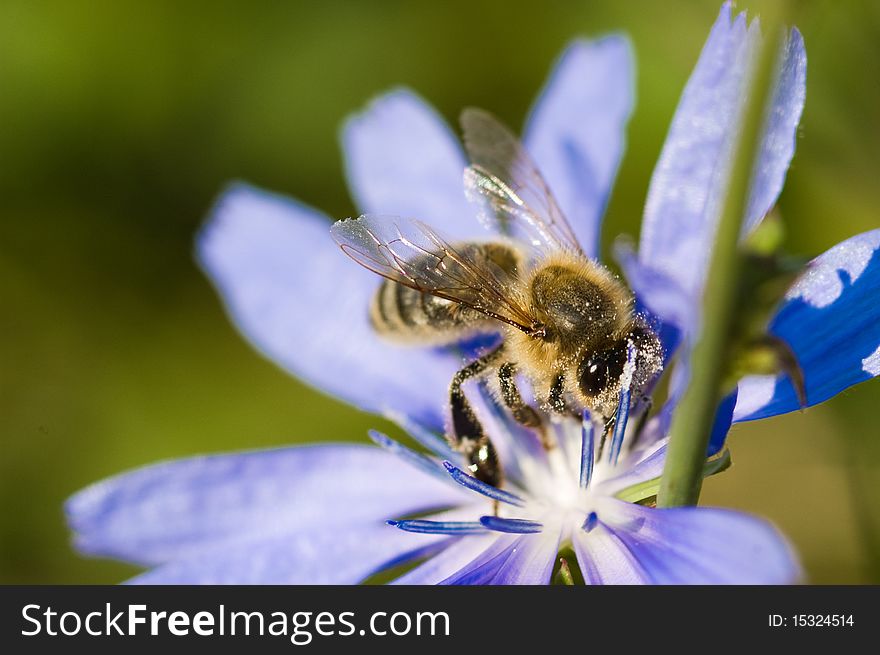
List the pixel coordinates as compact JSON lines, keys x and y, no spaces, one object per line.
{"x":121,"y":121}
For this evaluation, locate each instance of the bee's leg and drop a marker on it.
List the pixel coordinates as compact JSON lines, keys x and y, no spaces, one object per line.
{"x":467,"y":435}
{"x":523,"y":413}
{"x":557,"y":401}
{"x":465,"y":424}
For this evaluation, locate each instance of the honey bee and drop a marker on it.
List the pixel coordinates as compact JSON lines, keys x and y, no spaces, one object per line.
{"x":568,"y":324}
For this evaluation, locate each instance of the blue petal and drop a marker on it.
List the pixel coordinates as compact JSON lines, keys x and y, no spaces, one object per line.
{"x":304,"y":304}
{"x":689,"y":180}
{"x":831,"y":320}
{"x":687,"y":545}
{"x":721,"y":424}
{"x":777,"y":147}
{"x":402,"y":159}
{"x":341,"y":555}
{"x":576,"y":131}
{"x":526,"y":559}
{"x":603,"y":559}
{"x":657,"y":428}
{"x":449,"y":561}
{"x":660,"y":296}
{"x":640,"y":466}
{"x":179,"y":509}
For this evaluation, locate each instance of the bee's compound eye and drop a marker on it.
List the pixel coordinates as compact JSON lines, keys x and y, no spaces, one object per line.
{"x":602,"y":369}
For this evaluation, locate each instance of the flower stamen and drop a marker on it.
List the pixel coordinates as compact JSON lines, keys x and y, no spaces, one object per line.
{"x":417,"y":459}
{"x":588,"y":444}
{"x":470,"y":482}
{"x":512,"y":526}
{"x":423,"y":526}
{"x":425,"y":437}
{"x":591,"y":522}
{"x":622,"y":414}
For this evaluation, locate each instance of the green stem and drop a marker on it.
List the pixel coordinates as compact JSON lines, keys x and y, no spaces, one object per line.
{"x":692,"y":423}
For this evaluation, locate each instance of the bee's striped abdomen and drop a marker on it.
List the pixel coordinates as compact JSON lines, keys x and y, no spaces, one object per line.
{"x":407,"y":315}
{"x":404,"y":314}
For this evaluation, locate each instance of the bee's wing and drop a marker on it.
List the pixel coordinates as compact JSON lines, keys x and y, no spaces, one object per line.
{"x":409,"y":252}
{"x":503,"y":174}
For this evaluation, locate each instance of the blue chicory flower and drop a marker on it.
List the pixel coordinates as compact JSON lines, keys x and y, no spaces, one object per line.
{"x":317,"y":514}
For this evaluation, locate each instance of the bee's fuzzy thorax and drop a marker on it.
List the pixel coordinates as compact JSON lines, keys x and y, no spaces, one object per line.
{"x":580,"y":303}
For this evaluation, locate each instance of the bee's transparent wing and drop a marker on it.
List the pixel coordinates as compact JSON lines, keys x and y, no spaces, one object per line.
{"x":411,"y":253}
{"x":503,"y":176}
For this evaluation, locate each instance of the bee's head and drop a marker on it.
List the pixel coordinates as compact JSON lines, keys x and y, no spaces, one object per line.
{"x":600,"y":372}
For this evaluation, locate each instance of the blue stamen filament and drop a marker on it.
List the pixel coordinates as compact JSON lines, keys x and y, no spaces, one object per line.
{"x":591,"y":522}
{"x":512,"y":526}
{"x":436,"y":444}
{"x":620,"y":419}
{"x":588,"y":438}
{"x":472,"y":483}
{"x":419,"y":460}
{"x":622,"y":414}
{"x":439,"y":527}
{"x":494,"y":523}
